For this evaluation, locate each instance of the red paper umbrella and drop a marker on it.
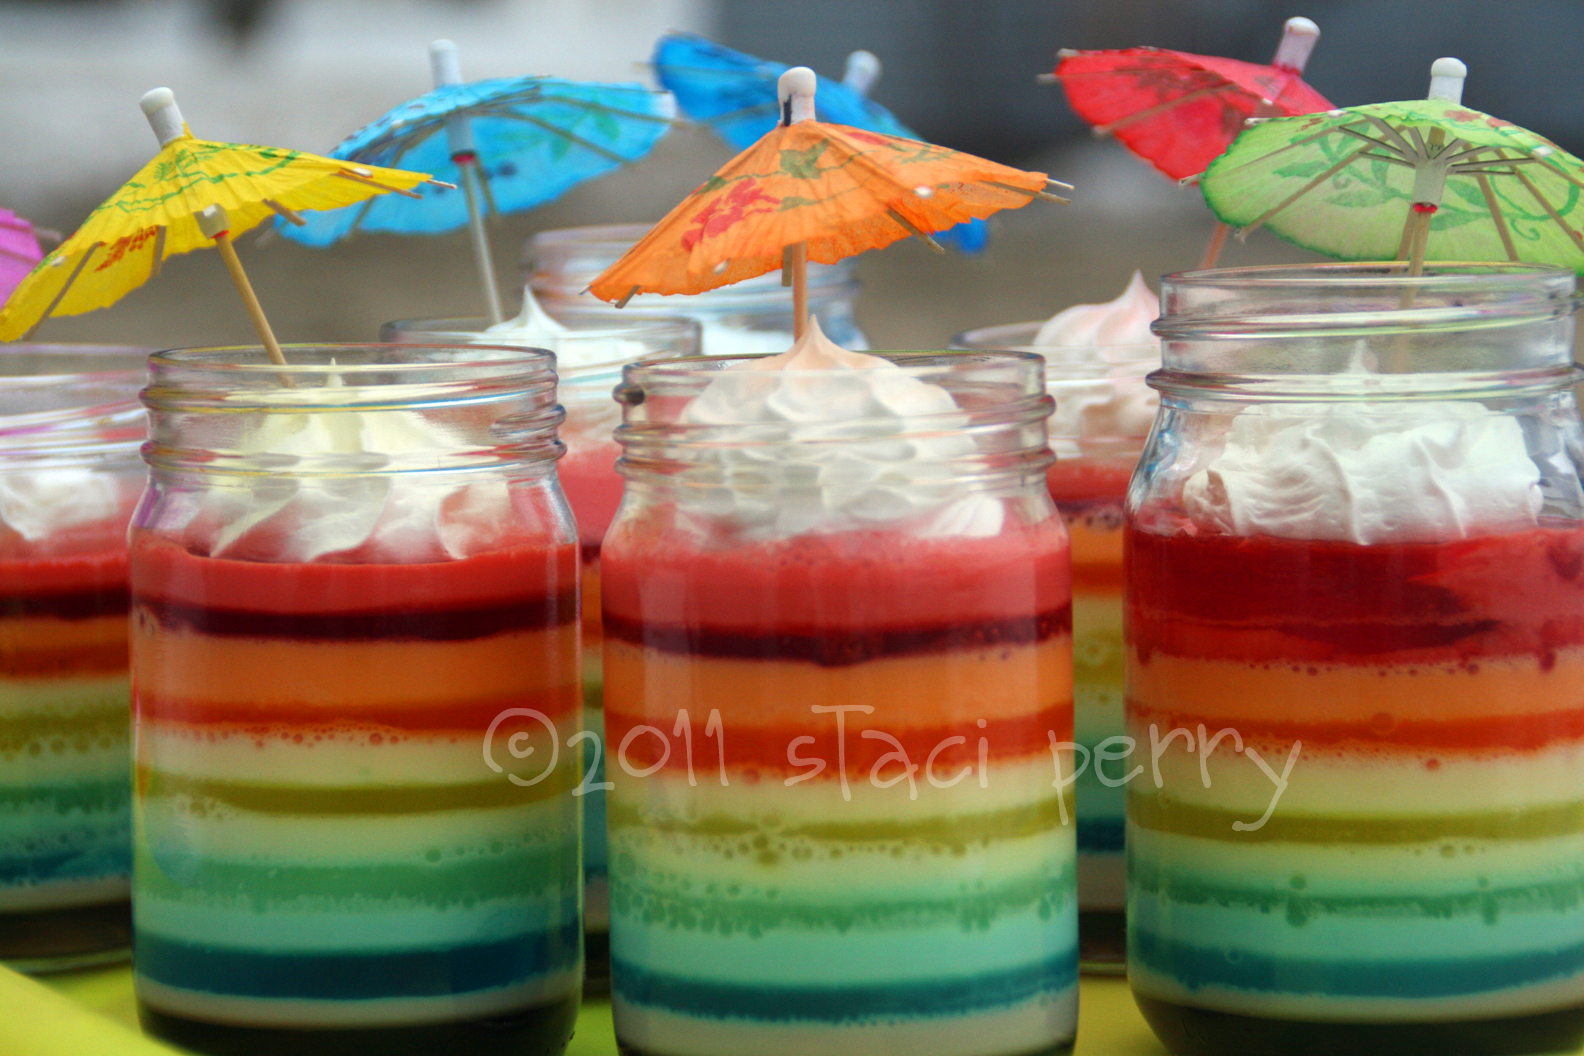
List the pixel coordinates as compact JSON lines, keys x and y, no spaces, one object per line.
{"x":1179,"y":111}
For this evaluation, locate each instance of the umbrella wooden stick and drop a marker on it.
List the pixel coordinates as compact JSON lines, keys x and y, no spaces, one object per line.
{"x":795,"y":91}
{"x":481,"y":246}
{"x":1430,"y":170}
{"x":1212,"y":250}
{"x":1292,"y":54}
{"x":214,"y":223}
{"x":794,"y":263}
{"x":447,"y":69}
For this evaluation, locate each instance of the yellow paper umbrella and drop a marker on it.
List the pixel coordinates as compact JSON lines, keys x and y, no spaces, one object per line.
{"x":194,"y":193}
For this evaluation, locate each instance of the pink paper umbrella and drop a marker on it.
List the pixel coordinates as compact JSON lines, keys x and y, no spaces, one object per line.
{"x":19,"y":251}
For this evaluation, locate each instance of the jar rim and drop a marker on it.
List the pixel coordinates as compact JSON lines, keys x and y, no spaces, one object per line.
{"x":228,"y":359}
{"x":1351,"y":300}
{"x":637,"y":327}
{"x":116,"y":360}
{"x":1002,"y":338}
{"x":603,"y":326}
{"x":72,"y":416}
{"x":377,"y":376}
{"x":918,"y":361}
{"x":1368,"y":272}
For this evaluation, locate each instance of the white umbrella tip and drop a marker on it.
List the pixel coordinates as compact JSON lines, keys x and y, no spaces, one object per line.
{"x":444,"y":63}
{"x":156,"y":99}
{"x":796,"y":91}
{"x":1297,"y":42}
{"x":799,"y":80}
{"x":159,"y":106}
{"x":862,"y":72}
{"x":1446,"y":80}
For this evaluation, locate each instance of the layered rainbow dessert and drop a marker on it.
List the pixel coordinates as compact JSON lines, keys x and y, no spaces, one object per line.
{"x":356,"y":696}
{"x":589,"y":358}
{"x":1096,"y":356}
{"x":834,"y":826}
{"x":593,"y":489}
{"x":1356,"y":683}
{"x":1090,"y":492}
{"x":69,"y":477}
{"x":65,"y":826}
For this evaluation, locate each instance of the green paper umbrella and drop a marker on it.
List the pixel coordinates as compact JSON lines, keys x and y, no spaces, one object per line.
{"x":1425,"y":179}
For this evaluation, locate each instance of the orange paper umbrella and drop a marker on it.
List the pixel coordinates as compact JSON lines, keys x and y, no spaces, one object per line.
{"x":812,"y":191}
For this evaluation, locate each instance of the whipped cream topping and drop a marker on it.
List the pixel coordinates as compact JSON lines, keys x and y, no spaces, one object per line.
{"x":825,"y":444}
{"x":1124,"y":321}
{"x":575,"y":349}
{"x":405,"y":519}
{"x":39,"y":502}
{"x":1083,"y":347}
{"x":1368,"y":473}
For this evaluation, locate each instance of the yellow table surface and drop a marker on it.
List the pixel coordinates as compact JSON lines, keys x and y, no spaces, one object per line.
{"x":92,"y":1014}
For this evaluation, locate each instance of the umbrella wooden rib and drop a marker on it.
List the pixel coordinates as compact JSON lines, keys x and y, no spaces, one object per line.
{"x":1559,"y":170}
{"x":908,"y":226}
{"x":1161,"y":108}
{"x":158,"y":261}
{"x":1305,"y":189}
{"x":1497,"y":216}
{"x":1545,"y":203}
{"x":572,"y":138}
{"x":60,"y":293}
{"x":355,"y":178}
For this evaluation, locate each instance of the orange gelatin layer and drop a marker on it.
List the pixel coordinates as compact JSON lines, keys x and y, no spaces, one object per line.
{"x":186,"y":677}
{"x":1019,"y":693}
{"x":1517,"y":703}
{"x":424,"y":646}
{"x":590,"y":592}
{"x":44,"y":647}
{"x":1096,"y":558}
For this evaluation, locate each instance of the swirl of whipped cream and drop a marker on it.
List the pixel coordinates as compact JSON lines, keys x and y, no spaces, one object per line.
{"x":823,"y":442}
{"x":1083,"y":346}
{"x":36,"y":503}
{"x":1368,"y":473}
{"x":575,"y":349}
{"x":403,"y":519}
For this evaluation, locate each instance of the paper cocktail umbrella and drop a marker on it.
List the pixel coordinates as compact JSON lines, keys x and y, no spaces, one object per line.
{"x":19,"y":250}
{"x":1178,"y":111}
{"x":812,"y":191}
{"x":512,"y":143}
{"x":1425,"y":179}
{"x":735,"y":94}
{"x":195,"y":193}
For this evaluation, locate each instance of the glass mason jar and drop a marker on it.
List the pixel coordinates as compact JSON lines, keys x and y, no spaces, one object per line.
{"x":1356,"y":665}
{"x":837,"y":667}
{"x":745,"y":318}
{"x":1103,"y":413}
{"x":587,"y":471}
{"x":70,"y":426}
{"x":348,"y":575}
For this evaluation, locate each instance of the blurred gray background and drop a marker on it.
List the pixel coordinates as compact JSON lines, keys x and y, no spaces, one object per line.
{"x":304,"y":73}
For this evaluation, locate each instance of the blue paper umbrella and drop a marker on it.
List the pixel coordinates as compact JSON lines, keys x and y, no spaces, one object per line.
{"x":735,"y":94}
{"x":509,"y":144}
